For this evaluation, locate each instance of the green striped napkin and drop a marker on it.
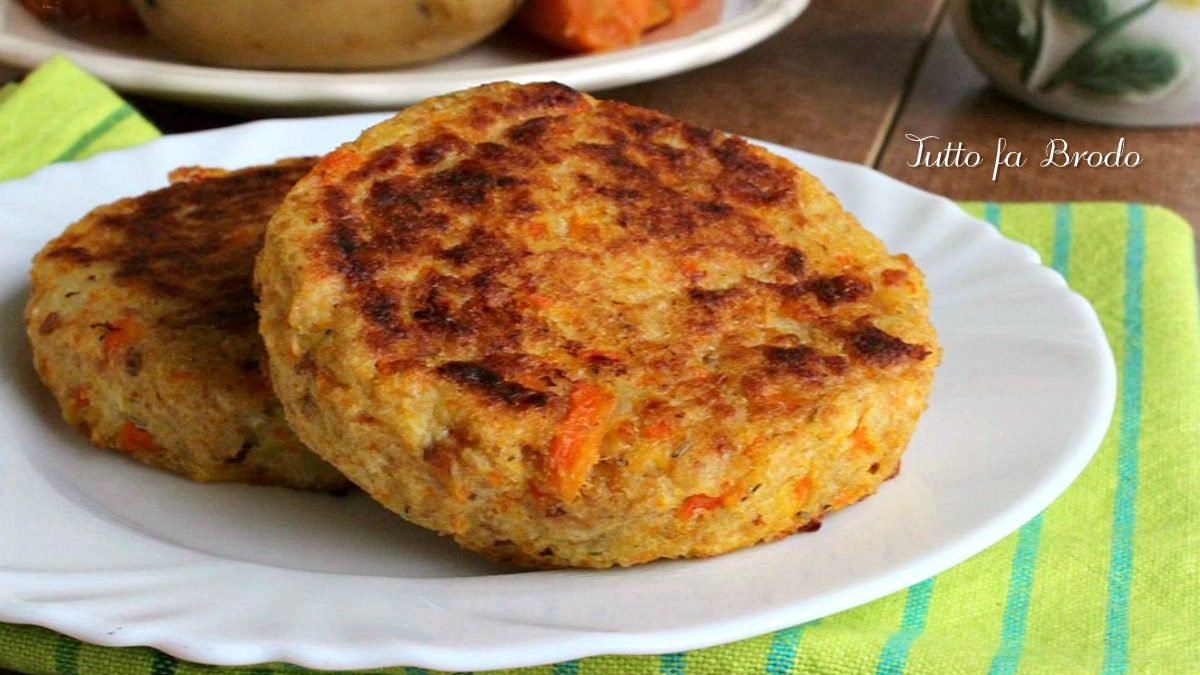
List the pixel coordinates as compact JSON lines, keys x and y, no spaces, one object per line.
{"x":1107,"y":579}
{"x":60,"y":113}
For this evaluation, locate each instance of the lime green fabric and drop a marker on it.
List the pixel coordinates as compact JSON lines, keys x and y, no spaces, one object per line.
{"x":1107,"y":579}
{"x":60,"y":113}
{"x":7,"y":90}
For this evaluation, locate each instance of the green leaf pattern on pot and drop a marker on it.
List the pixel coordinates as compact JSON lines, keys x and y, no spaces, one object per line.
{"x":1089,"y":12}
{"x":1128,"y":68}
{"x":999,"y":24}
{"x":1105,"y":64}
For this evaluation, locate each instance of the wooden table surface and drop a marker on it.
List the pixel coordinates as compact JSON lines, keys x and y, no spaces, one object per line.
{"x":850,"y":78}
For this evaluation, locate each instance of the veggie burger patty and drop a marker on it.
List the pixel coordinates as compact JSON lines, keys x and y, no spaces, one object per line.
{"x":143,"y":326}
{"x":570,"y":332}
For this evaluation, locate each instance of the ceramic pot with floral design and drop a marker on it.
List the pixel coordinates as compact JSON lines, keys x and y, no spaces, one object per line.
{"x":1124,"y":62}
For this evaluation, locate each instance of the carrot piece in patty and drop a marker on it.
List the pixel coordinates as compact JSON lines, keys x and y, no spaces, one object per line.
{"x":575,"y":449}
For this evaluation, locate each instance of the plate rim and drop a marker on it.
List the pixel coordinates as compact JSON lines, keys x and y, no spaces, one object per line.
{"x":214,"y":87}
{"x":576,"y":643}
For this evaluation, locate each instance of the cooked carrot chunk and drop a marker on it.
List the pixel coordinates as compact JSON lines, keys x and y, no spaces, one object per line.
{"x":860,"y":442}
{"x":666,"y":11}
{"x":131,"y":438}
{"x":575,"y":449}
{"x":802,"y":488}
{"x":697,"y":503}
{"x":586,"y":25}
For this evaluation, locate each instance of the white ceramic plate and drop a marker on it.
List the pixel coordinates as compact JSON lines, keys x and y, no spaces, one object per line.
{"x":716,"y":30}
{"x":108,"y":551}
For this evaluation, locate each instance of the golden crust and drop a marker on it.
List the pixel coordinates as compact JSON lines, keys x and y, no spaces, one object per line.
{"x":143,"y":326}
{"x":571,"y":332}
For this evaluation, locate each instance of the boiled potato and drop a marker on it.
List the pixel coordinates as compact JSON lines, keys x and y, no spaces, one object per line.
{"x":320,"y":34}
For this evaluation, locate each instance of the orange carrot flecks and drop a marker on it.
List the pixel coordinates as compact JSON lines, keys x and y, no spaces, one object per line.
{"x":131,"y":438}
{"x":334,"y":166}
{"x":697,"y":503}
{"x":119,"y":333}
{"x":536,"y":228}
{"x":802,"y":488}
{"x":575,"y":449}
{"x":860,"y":442}
{"x":539,"y":301}
{"x":659,"y":429}
{"x":81,"y":399}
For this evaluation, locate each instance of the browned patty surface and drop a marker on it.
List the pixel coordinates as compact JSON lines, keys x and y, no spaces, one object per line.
{"x":143,"y":326}
{"x":575,"y":332}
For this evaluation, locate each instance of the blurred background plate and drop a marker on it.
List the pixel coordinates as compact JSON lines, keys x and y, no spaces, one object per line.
{"x":716,"y":30}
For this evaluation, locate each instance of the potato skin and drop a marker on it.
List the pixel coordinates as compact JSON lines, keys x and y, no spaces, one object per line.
{"x":570,"y":332}
{"x":142,"y":323}
{"x":320,"y":34}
